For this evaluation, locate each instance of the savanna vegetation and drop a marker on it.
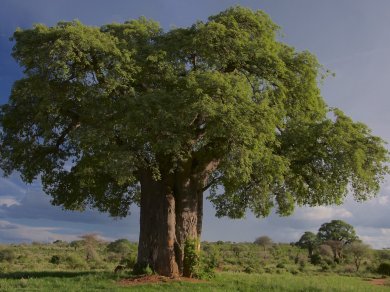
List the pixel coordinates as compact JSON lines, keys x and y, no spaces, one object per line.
{"x":90,"y":264}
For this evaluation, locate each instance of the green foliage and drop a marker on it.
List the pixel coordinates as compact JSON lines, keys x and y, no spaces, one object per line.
{"x":104,"y":281}
{"x":280,"y":265}
{"x":263,"y":241}
{"x":308,"y":241}
{"x":142,"y":270}
{"x":129,"y":261}
{"x":384,"y":268}
{"x":76,"y":244}
{"x":336,"y":234}
{"x":91,"y":242}
{"x":191,"y":257}
{"x":205,"y":268}
{"x":75,"y":262}
{"x":120,"y":246}
{"x":249,"y":270}
{"x":315,"y":259}
{"x":55,"y":259}
{"x":337,"y":230}
{"x":125,"y":97}
{"x":212,"y":253}
{"x":7,"y":255}
{"x":358,"y":251}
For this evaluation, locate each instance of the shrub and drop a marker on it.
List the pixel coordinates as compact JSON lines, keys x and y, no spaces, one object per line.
{"x":129,"y":261}
{"x":249,"y":270}
{"x":75,"y":262}
{"x":121,"y":246}
{"x":214,"y":257}
{"x":384,"y":268}
{"x":315,"y":259}
{"x":7,"y":255}
{"x":140,"y":269}
{"x":302,"y":263}
{"x":191,"y":257}
{"x":280,"y":266}
{"x":325,"y":267}
{"x":204,"y":269}
{"x":55,"y":259}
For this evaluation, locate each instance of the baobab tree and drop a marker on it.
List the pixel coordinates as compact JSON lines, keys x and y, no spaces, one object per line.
{"x":128,"y":113}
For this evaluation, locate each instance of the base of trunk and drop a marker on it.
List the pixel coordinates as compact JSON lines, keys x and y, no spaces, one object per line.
{"x":156,"y":246}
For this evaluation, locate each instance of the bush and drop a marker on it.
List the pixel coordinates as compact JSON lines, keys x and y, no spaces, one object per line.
{"x":75,"y":262}
{"x":7,"y":255}
{"x":191,"y":257}
{"x":129,"y":262}
{"x":214,"y":257}
{"x":280,"y":266}
{"x":204,"y":269}
{"x":120,"y":246}
{"x":325,"y":267}
{"x":140,"y":269}
{"x":55,"y":259}
{"x":249,"y":270}
{"x":384,"y":268}
{"x":315,"y":259}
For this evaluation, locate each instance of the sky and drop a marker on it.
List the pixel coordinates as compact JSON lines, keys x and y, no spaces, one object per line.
{"x":350,"y":37}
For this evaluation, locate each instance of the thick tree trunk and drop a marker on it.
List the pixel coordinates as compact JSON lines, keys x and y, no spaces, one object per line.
{"x":171,"y":215}
{"x":188,"y":193}
{"x":156,"y":246}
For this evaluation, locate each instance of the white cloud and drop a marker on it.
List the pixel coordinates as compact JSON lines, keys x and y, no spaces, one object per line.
{"x":383,"y":200}
{"x":18,"y":232}
{"x":8,"y":201}
{"x":376,"y":237}
{"x":13,"y":232}
{"x":323,"y":213}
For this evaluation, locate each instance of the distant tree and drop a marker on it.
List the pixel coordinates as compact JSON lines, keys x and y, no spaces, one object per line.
{"x":91,"y":241}
{"x":76,"y":244}
{"x":308,"y":241}
{"x":337,"y":234}
{"x":7,"y":255}
{"x":358,"y":251}
{"x":55,"y":259}
{"x":325,"y":251}
{"x":120,"y":246}
{"x":237,"y":250}
{"x":265,"y":242}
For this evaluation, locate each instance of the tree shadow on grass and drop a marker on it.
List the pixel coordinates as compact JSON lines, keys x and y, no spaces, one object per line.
{"x":46,"y":274}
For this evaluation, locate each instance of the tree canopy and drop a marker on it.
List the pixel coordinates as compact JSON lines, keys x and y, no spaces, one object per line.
{"x":337,"y":234}
{"x":337,"y":230}
{"x":308,"y":241}
{"x":97,"y":105}
{"x":263,"y":241}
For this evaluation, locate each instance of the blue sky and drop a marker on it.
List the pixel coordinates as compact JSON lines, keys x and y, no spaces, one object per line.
{"x":349,"y":37}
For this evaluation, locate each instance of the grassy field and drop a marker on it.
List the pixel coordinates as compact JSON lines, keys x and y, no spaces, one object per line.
{"x":83,"y":266}
{"x":224,"y":281}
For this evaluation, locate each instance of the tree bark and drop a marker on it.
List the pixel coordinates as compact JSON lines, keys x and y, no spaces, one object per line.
{"x":187,"y":186}
{"x":171,"y":214}
{"x":156,"y":246}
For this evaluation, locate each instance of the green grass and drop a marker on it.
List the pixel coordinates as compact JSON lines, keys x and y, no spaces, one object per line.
{"x":281,"y":268}
{"x":105,"y":281}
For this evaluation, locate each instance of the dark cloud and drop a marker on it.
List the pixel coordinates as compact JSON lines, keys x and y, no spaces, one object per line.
{"x":36,"y":205}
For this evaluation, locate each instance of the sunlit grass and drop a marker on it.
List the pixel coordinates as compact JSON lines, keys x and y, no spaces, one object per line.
{"x":106,"y":281}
